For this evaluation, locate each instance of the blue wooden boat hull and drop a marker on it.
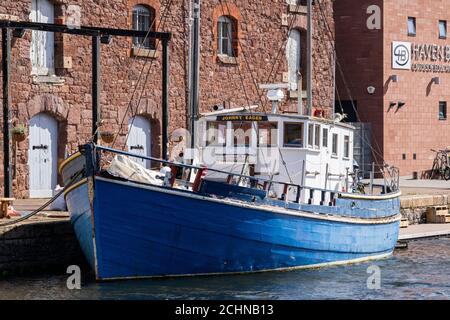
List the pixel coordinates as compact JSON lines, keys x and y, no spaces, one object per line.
{"x":137,"y":231}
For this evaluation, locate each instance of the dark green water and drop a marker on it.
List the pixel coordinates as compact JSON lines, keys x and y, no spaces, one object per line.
{"x":420,"y":272}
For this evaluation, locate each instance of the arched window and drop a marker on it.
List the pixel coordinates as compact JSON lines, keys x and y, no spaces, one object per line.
{"x":143,"y":17}
{"x":226,"y":27}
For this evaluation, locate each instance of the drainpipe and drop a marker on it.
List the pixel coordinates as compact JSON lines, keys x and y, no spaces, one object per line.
{"x":194,"y":69}
{"x":6,"y":63}
{"x":309,"y":59}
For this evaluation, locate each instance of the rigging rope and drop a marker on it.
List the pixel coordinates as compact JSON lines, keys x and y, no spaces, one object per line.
{"x":130,"y":104}
{"x":281,"y":49}
{"x":333,"y":44}
{"x":41,"y":208}
{"x":259,"y":94}
{"x":234,"y":54}
{"x":139,"y":78}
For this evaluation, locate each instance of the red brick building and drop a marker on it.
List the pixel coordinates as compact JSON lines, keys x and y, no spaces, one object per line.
{"x":407,"y":61}
{"x":51,"y":75}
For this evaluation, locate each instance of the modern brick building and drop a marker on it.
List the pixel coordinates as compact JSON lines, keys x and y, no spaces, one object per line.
{"x":407,"y":63}
{"x":51,"y":74}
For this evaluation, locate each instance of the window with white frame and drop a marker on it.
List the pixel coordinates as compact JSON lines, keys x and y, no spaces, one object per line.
{"x":347,"y":147}
{"x":293,"y":135}
{"x":334,"y":147}
{"x":317,"y":136}
{"x":225,"y":36}
{"x":42,"y":43}
{"x":143,"y":20}
{"x":325,"y":138}
{"x":310,"y":135}
{"x":242,"y":133}
{"x":267,"y":134}
{"x":442,"y":29}
{"x":442,"y":110}
{"x":412,"y":26}
{"x":216,"y":133}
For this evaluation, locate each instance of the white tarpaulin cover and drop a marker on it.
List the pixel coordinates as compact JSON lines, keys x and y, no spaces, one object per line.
{"x":125,"y":168}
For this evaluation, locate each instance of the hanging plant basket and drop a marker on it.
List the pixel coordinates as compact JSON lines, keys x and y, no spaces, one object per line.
{"x":107,"y":136}
{"x":19,"y":133}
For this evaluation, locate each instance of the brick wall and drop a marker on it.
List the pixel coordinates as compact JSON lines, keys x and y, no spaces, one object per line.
{"x":360,"y":53}
{"x":366,"y":58}
{"x":415,"y":128}
{"x":261,"y":34}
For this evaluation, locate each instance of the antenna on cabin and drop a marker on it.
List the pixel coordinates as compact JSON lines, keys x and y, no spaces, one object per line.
{"x":275,"y":93}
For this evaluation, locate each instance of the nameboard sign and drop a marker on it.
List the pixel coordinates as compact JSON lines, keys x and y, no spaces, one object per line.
{"x":252,"y":118}
{"x":421,"y":57}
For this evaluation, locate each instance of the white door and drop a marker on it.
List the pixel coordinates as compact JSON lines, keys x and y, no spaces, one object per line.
{"x":293,"y":55}
{"x":139,"y":139}
{"x":42,"y":43}
{"x":42,"y":155}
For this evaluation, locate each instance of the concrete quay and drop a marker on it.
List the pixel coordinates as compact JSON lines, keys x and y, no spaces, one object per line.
{"x":422,"y":231}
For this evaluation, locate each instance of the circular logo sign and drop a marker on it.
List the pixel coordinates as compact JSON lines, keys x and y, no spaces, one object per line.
{"x":401,"y":55}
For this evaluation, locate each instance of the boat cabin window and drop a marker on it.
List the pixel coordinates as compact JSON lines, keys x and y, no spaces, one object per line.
{"x":317,"y":136}
{"x":242,"y":132}
{"x":325,"y":138}
{"x":310,"y":135}
{"x":334,"y":149}
{"x":293,"y":135}
{"x":216,"y":133}
{"x":346,"y":146}
{"x":267,"y":134}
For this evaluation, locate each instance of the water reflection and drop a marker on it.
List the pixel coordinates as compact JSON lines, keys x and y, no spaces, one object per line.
{"x":420,"y":272}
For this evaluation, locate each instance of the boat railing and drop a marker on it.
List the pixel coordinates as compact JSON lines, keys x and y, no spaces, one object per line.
{"x":326,"y":196}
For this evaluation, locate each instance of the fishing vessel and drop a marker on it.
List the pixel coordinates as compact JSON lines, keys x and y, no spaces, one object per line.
{"x":132,"y":222}
{"x":257,"y":192}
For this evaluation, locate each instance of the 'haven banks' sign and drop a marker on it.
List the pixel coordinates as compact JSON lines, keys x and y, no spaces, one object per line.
{"x":420,"y":57}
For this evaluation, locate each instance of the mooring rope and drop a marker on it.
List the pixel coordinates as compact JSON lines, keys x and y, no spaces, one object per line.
{"x":41,"y":208}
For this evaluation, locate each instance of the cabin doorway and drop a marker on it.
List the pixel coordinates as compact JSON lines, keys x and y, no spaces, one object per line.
{"x":42,"y":155}
{"x":139,"y":139}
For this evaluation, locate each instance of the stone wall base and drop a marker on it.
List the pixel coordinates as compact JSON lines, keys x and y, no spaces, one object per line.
{"x":414,"y":208}
{"x":36,"y":247}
